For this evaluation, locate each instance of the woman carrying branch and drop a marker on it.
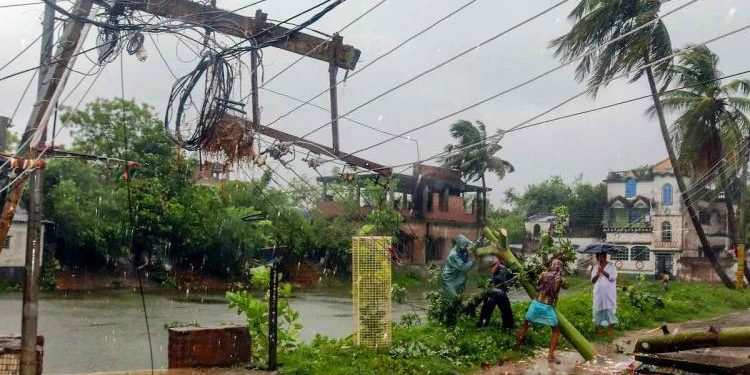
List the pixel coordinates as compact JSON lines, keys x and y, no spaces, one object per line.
{"x":542,"y":310}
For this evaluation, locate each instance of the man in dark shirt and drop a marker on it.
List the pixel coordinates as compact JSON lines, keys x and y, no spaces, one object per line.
{"x":498,"y":296}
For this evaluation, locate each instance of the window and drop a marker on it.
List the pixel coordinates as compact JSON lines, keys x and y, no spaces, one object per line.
{"x":6,"y":245}
{"x":621,"y":217}
{"x":666,"y":195}
{"x":621,"y":254}
{"x":443,"y":200}
{"x":704,"y":216}
{"x":641,"y":253}
{"x":469,"y":202}
{"x":630,"y":188}
{"x":666,"y":231}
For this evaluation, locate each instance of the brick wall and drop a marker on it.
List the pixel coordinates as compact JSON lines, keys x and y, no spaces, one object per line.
{"x":203,"y":347}
{"x":455,"y":212}
{"x":10,"y":354}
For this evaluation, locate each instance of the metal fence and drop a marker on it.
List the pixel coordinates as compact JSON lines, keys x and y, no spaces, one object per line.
{"x":371,"y":291}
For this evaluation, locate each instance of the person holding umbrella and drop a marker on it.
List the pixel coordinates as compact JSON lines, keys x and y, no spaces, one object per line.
{"x":604,"y":278}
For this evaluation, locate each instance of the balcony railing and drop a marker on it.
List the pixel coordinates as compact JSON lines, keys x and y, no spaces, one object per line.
{"x":629,"y":229}
{"x":666,"y":245}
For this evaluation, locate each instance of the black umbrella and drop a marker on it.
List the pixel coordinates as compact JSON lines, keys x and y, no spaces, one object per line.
{"x":596,"y":248}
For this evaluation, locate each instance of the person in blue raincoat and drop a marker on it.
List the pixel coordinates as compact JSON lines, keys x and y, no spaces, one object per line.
{"x":456,"y":267}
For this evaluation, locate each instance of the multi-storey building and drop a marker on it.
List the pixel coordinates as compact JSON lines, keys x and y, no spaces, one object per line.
{"x":646,"y":218}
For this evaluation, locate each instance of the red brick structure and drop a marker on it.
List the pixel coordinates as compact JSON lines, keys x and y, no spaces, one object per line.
{"x":436,"y":205}
{"x":10,"y":354}
{"x":204,"y":347}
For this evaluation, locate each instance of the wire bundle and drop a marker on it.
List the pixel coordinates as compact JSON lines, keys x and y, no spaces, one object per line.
{"x":218,"y":75}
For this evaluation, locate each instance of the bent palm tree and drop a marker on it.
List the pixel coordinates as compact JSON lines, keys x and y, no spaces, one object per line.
{"x":474,"y":155}
{"x":712,"y":127}
{"x":641,"y":50}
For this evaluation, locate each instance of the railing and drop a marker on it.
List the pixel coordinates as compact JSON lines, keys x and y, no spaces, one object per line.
{"x":636,"y":229}
{"x":666,"y":245}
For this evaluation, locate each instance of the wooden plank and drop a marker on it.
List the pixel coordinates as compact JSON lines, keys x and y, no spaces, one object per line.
{"x":312,"y":146}
{"x":243,"y":27}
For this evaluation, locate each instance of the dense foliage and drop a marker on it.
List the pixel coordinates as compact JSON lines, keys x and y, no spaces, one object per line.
{"x":174,"y":220}
{"x":585,"y":202}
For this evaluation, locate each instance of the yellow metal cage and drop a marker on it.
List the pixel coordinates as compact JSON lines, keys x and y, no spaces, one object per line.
{"x":371,"y":291}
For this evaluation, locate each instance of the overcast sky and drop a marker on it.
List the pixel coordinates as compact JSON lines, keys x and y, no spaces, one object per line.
{"x":588,"y":145}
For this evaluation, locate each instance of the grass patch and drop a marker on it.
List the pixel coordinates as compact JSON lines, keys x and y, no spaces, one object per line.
{"x":433,"y":349}
{"x":6,"y":287}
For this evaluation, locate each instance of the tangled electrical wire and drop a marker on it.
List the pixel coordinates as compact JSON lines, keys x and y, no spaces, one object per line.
{"x":108,"y":41}
{"x":216,"y":93}
{"x":207,"y":131}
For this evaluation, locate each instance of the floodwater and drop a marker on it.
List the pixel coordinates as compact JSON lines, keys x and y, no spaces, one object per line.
{"x":106,"y":331}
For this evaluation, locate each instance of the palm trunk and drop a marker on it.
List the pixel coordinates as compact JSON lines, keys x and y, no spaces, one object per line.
{"x":743,"y":185}
{"x":681,"y":182}
{"x":734,"y":234}
{"x":484,"y":201}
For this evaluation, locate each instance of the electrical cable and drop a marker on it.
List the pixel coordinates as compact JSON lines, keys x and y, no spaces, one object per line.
{"x":514,"y":128}
{"x":139,"y":268}
{"x":20,"y":5}
{"x":551,"y":120}
{"x":293,"y":63}
{"x":423,"y":73}
{"x":218,"y":86}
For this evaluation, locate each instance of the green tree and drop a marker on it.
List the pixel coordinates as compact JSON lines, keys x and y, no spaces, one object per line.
{"x":712,"y":124}
{"x":541,"y":198}
{"x":639,"y":50}
{"x":474,"y":155}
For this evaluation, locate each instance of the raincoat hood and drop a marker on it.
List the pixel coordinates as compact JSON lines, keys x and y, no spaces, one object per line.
{"x":462,"y":242}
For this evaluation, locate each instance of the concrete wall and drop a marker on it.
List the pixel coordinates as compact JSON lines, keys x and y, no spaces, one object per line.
{"x":204,"y":347}
{"x":13,"y":257}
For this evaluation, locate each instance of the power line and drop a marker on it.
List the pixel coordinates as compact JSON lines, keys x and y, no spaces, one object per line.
{"x":365,"y":13}
{"x":500,"y":134}
{"x":20,"y":5}
{"x":351,"y":76}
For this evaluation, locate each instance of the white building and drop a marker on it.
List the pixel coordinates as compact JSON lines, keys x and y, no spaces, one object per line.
{"x":646,"y":218}
{"x":13,"y":252}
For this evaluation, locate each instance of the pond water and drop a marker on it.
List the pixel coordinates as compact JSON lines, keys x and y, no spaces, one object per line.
{"x":105,"y":330}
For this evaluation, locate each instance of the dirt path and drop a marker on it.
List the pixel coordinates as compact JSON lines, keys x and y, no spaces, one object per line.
{"x":612,"y":357}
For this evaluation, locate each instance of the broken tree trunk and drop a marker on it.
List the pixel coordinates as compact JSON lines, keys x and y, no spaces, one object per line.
{"x":694,"y":339}
{"x":499,"y":247}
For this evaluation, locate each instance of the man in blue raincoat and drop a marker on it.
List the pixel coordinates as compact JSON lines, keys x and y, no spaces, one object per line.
{"x":456,"y":266}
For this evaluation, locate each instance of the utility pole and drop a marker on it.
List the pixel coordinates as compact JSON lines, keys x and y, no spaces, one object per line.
{"x":260,"y":19}
{"x":34,"y":226}
{"x":335,"y":46}
{"x":34,"y":251}
{"x":4,"y":125}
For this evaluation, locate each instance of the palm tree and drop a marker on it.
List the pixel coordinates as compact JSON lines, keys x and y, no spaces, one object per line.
{"x":474,"y":155}
{"x":712,"y":125}
{"x":642,"y":50}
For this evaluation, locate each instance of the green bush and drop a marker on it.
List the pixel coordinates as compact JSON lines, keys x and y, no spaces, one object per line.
{"x":256,"y":313}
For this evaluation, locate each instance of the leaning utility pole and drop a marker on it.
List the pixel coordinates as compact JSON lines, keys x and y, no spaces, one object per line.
{"x":52,"y":79}
{"x":30,"y":313}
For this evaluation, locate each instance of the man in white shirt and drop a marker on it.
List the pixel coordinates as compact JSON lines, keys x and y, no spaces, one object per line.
{"x":604,"y":278}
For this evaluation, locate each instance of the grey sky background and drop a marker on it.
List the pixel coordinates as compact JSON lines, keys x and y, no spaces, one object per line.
{"x":589,"y":145}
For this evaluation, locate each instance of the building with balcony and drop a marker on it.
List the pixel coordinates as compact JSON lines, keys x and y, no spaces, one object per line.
{"x":646,"y":218}
{"x":435,"y":204}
